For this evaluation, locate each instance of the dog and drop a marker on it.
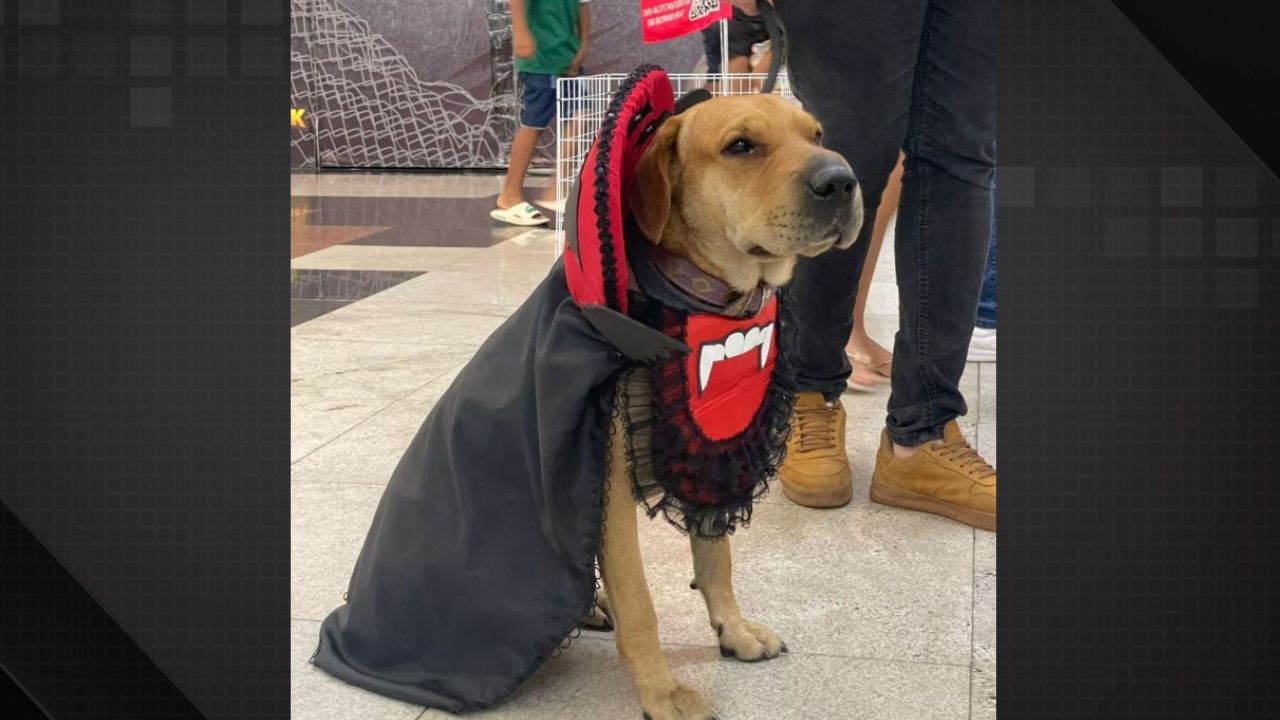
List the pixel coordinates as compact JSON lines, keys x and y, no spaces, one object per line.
{"x":620,"y":379}
{"x":742,"y":188}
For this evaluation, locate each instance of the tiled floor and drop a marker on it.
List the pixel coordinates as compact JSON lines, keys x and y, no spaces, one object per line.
{"x":888,"y":613}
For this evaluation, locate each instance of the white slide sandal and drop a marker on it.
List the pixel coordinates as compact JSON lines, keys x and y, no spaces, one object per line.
{"x":523,"y":214}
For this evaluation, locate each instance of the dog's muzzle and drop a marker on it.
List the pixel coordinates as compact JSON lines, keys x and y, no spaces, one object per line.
{"x":833,"y":198}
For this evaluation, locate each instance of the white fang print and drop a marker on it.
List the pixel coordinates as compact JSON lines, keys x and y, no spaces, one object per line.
{"x":733,"y":345}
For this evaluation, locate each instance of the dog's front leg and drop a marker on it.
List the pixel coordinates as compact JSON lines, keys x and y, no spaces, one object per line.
{"x":713,"y":576}
{"x":635,"y":622}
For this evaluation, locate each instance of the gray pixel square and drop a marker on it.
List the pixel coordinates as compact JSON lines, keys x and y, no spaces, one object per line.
{"x":207,"y":56}
{"x":95,"y":56}
{"x":150,"y":56}
{"x":1125,"y":237}
{"x":1182,"y":288}
{"x":1016,"y":187}
{"x":1181,"y":187}
{"x":1069,"y":186}
{"x":1236,"y":288}
{"x":1181,"y":237}
{"x":1126,"y":186}
{"x":263,"y":56}
{"x":206,"y":12}
{"x":262,"y":12}
{"x":1275,"y":237}
{"x":1236,"y":237}
{"x":39,"y":55}
{"x":1235,"y":186}
{"x":150,"y":12}
{"x":150,"y":107}
{"x":39,"y":12}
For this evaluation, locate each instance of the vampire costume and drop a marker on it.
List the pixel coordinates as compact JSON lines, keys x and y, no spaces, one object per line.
{"x":481,"y":558}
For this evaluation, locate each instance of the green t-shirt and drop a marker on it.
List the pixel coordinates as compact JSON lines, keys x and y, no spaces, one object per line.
{"x":554,"y":27}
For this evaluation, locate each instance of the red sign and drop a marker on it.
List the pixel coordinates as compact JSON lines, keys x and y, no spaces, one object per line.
{"x":668,"y":19}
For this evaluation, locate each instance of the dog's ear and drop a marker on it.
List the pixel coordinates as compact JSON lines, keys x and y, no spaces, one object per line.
{"x":657,"y":175}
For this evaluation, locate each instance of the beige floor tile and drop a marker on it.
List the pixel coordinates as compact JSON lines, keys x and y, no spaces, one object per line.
{"x":500,"y":283}
{"x":368,"y":452}
{"x":983,"y":692}
{"x":453,"y":324}
{"x":588,"y":683}
{"x":382,"y":257}
{"x":987,"y":430}
{"x":329,"y":524}
{"x":860,"y":581}
{"x":334,"y":384}
{"x":399,"y":185}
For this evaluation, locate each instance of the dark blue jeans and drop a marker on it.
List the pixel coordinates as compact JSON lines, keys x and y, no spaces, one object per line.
{"x":916,"y":75}
{"x":987,"y":300}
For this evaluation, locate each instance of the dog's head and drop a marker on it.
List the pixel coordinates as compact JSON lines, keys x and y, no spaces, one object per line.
{"x":742,"y":187}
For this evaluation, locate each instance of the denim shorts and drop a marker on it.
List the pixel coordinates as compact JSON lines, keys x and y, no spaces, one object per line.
{"x":538,"y":99}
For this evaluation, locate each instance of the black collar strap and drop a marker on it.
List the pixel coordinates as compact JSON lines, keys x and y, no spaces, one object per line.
{"x":693,"y":281}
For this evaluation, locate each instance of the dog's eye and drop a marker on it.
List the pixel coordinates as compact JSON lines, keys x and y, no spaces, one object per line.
{"x":817,"y":138}
{"x":741,"y":146}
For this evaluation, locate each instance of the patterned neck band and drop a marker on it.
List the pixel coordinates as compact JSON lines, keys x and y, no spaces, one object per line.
{"x":689,"y":278}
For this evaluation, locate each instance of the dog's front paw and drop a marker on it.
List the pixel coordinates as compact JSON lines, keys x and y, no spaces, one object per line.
{"x":677,"y":703}
{"x":749,"y":641}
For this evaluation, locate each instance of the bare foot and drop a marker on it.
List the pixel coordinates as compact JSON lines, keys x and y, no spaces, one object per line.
{"x":509,"y":201}
{"x":871,"y":353}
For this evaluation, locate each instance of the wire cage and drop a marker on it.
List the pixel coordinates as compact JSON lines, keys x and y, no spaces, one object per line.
{"x":582,"y":103}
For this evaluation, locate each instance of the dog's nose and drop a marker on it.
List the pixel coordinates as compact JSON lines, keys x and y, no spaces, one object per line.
{"x":833,"y":182}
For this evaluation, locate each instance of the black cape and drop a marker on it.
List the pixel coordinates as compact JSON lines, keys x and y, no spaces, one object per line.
{"x":480,"y":560}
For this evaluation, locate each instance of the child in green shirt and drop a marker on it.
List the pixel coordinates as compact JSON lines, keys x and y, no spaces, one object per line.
{"x":549,"y":40}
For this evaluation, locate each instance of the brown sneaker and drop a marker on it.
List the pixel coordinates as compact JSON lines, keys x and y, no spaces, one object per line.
{"x":945,"y":477}
{"x":816,"y":471}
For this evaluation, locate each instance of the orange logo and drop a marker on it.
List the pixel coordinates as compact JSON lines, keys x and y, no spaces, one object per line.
{"x":295,"y":118}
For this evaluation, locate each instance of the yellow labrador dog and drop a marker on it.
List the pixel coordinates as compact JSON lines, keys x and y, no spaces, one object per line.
{"x":741,"y":187}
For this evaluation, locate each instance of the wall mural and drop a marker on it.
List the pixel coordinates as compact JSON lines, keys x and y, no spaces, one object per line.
{"x":429,"y":83}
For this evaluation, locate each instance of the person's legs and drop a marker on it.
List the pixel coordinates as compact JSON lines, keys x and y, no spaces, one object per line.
{"x":521,"y":152}
{"x":855,"y":77}
{"x":743,"y":32}
{"x":537,"y":107}
{"x":739,"y":65}
{"x":987,"y":300}
{"x":944,"y":221}
{"x":871,"y":361}
{"x":982,"y":346}
{"x":711,"y":49}
{"x":568,"y":108}
{"x":762,"y":62}
{"x":944,"y":226}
